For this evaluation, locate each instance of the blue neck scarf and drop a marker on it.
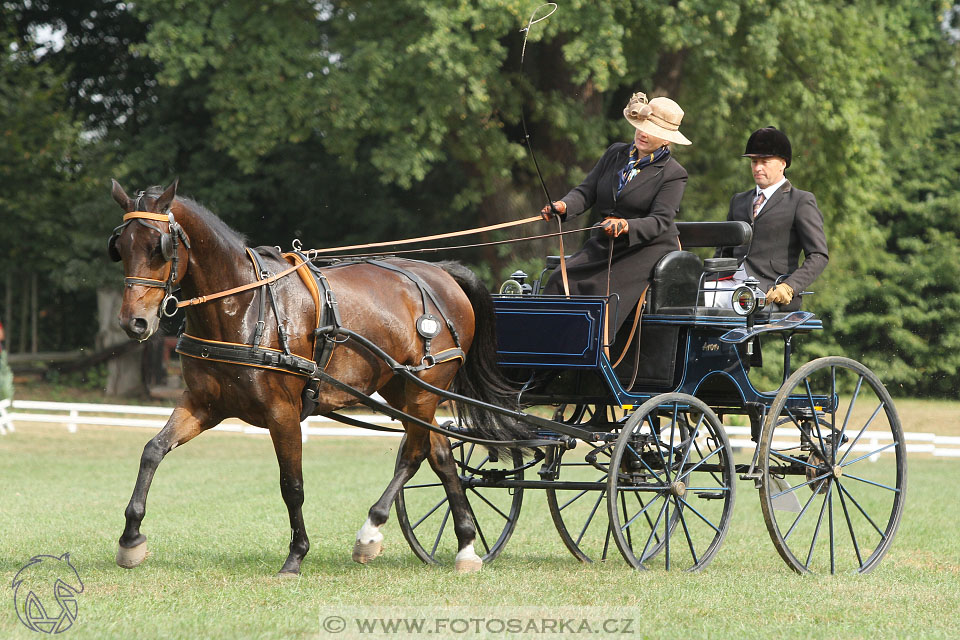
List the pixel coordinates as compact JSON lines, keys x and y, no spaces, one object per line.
{"x":636,"y":163}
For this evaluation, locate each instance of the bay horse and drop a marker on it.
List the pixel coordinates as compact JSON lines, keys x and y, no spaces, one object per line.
{"x":168,"y":241}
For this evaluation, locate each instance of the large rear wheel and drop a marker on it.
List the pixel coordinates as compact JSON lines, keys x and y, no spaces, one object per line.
{"x":834,"y":468}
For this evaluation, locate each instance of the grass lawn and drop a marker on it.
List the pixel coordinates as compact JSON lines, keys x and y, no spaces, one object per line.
{"x":218,"y":532}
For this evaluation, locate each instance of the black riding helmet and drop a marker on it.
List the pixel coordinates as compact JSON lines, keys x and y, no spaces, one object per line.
{"x":767,"y":142}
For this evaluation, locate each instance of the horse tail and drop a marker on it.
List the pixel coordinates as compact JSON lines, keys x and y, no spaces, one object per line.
{"x":480,"y":377}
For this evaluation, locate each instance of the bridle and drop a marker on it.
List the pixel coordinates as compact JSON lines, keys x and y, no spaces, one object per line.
{"x":169,"y":247}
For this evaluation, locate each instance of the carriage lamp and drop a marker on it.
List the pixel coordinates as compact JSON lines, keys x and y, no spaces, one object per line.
{"x":515,"y":285}
{"x":748,"y":298}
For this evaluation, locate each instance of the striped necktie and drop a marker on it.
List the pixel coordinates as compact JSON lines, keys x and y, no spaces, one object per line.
{"x":758,"y":203}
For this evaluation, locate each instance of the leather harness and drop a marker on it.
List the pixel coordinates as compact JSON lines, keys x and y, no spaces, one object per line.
{"x":327,"y":334}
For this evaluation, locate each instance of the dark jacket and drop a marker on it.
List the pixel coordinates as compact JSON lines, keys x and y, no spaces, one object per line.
{"x":788,"y":223}
{"x":649,"y":202}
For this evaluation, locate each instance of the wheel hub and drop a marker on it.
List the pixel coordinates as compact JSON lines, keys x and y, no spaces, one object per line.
{"x":678,"y":489}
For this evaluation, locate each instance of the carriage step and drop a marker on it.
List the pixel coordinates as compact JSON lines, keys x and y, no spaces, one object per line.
{"x":710,"y":495}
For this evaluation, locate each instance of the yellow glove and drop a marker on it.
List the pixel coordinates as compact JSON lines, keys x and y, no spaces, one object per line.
{"x":780,"y":294}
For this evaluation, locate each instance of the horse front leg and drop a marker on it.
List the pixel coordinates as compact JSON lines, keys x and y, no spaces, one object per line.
{"x":413,"y":449}
{"x":184,"y":424}
{"x":288,"y":445}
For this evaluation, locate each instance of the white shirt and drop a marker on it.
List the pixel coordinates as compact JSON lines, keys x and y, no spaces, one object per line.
{"x":767,"y":193}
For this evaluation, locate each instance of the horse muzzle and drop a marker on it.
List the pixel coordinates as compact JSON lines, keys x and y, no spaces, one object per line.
{"x":138,"y":328}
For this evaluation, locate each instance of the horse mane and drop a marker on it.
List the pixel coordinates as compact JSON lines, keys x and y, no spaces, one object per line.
{"x":220,"y":228}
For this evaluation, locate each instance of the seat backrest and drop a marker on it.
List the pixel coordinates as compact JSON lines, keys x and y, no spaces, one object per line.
{"x":730,"y":233}
{"x":675,"y":283}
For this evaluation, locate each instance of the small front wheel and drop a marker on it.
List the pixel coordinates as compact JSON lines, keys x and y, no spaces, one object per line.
{"x":671,"y":484}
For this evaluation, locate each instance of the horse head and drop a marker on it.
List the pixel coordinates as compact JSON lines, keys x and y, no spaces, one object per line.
{"x":153,"y":248}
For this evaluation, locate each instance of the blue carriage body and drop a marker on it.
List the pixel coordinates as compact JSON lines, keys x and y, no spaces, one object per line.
{"x":690,"y":347}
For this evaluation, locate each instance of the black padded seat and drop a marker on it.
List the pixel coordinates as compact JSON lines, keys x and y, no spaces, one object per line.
{"x":676,"y":279}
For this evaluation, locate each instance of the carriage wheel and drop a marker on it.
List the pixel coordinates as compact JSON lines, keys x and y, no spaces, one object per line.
{"x":425,"y":516}
{"x":834,"y":468}
{"x":671,"y":479}
{"x":580,"y":515}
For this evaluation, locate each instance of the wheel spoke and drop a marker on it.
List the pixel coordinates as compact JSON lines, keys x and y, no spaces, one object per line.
{"x":422,"y":486}
{"x":693,"y":439}
{"x":833,"y":562}
{"x":792,"y":459}
{"x":867,"y":455}
{"x":816,"y":531}
{"x":859,"y":508}
{"x":699,"y":515}
{"x":654,"y":532}
{"x":702,"y":460}
{"x":813,"y":495}
{"x":590,"y":517}
{"x":646,"y":515}
{"x":489,"y":504}
{"x":429,"y":513}
{"x":644,"y":463}
{"x":860,"y":434}
{"x":853,"y":536}
{"x":686,"y":533}
{"x":876,"y":484}
{"x":640,"y":513}
{"x":805,"y":484}
{"x":813,"y":410}
{"x":443,"y":525}
{"x":846,"y":419}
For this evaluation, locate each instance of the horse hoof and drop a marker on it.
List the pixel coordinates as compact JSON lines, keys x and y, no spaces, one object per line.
{"x":468,"y":564}
{"x":288,"y":574}
{"x":364,"y":552}
{"x":129,"y":558}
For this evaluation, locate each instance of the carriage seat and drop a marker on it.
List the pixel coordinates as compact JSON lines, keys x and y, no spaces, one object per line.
{"x":674,"y":288}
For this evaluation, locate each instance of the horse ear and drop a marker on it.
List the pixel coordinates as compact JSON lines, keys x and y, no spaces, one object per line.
{"x":121,"y":196}
{"x":163,"y":202}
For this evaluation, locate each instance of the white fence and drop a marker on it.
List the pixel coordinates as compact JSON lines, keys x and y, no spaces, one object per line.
{"x":72,"y":415}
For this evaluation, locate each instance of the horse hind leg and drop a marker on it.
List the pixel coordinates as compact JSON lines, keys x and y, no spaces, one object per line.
{"x":369,"y":542}
{"x":183,"y":425}
{"x":443,"y":464}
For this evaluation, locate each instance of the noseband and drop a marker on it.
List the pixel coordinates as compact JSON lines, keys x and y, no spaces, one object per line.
{"x":169,"y":246}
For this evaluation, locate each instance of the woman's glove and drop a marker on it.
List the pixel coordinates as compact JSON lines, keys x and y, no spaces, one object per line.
{"x":558,"y":206}
{"x":614,"y":227}
{"x":780,"y":294}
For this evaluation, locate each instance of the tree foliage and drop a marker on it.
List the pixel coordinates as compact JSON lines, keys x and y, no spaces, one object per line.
{"x":341,"y":121}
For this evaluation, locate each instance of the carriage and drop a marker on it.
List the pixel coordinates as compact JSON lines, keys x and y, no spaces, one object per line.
{"x":632,"y":451}
{"x":642,"y":459}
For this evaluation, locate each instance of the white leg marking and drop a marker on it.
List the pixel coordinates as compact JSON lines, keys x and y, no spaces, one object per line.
{"x":369,"y":533}
{"x":467,"y":560}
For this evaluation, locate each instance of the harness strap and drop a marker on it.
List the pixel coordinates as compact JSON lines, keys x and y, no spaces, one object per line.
{"x":244,"y":354}
{"x":246,"y":287}
{"x":425,"y":291}
{"x":261,"y":307}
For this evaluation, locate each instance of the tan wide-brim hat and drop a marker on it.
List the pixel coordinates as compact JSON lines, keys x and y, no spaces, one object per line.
{"x":660,"y":117}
